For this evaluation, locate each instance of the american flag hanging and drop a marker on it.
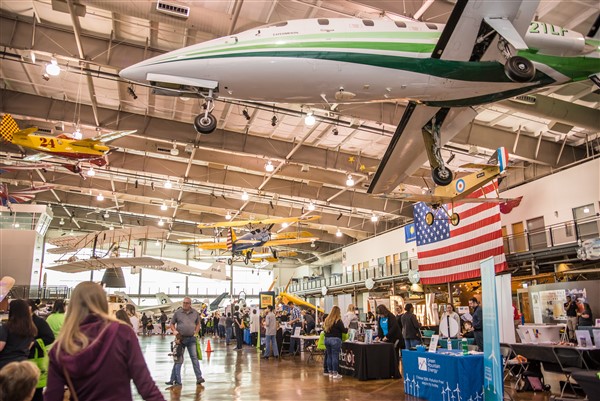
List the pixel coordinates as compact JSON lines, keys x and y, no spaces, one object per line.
{"x":451,"y":253}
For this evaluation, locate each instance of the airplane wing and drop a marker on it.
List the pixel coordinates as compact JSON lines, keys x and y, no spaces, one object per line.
{"x":68,"y":243}
{"x":240,"y":223}
{"x":467,"y":36}
{"x":436,"y":199}
{"x":208,"y":246}
{"x":215,"y":271}
{"x":290,"y":241}
{"x":111,"y":136}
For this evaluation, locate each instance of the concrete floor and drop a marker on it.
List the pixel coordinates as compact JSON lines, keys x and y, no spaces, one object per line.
{"x":242,"y":375}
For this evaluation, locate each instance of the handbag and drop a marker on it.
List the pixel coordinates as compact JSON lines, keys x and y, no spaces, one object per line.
{"x":321,"y":342}
{"x":198,"y":348}
{"x":41,"y":360}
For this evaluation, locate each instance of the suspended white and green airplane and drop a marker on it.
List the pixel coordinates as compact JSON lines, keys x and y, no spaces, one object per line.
{"x":488,"y":51}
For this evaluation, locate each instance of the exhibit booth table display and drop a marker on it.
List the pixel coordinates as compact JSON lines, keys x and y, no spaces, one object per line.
{"x":542,"y":333}
{"x":369,"y":361}
{"x":456,"y":342}
{"x":443,"y":375}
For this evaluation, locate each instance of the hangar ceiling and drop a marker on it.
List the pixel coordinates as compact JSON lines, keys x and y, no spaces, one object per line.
{"x":93,"y":40}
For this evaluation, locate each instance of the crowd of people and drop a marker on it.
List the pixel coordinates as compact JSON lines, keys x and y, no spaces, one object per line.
{"x":86,"y":334}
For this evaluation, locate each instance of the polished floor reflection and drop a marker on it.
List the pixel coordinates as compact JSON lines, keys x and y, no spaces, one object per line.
{"x":242,"y":375}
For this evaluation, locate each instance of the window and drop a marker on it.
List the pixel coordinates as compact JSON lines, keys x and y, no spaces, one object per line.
{"x":368,"y":22}
{"x":400,"y":24}
{"x":585,"y":229}
{"x":323,"y":21}
{"x":404,"y":265}
{"x":537,"y":233}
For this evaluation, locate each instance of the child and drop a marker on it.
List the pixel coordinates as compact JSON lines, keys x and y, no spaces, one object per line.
{"x":177,"y":354}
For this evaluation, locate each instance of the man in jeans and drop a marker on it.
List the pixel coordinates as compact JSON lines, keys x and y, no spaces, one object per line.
{"x":295,"y":321}
{"x":186,"y":321}
{"x":270,"y":333}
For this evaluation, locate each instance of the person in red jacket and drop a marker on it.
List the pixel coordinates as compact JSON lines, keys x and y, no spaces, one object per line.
{"x":96,"y":355}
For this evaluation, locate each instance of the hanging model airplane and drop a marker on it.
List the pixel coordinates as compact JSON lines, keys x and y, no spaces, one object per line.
{"x":22,"y":195}
{"x":244,"y":245}
{"x":459,"y":189}
{"x":488,"y":51}
{"x":91,"y":150}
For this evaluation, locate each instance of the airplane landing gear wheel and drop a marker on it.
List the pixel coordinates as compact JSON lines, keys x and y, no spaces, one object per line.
{"x":441,"y":176}
{"x":519,"y":69}
{"x":454,"y":219}
{"x":429,"y":218}
{"x":205,"y":123}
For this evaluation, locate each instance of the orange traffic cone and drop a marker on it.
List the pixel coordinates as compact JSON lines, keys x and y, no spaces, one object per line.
{"x":208,"y":349}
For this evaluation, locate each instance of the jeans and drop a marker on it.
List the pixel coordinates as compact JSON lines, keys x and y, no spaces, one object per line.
{"x":411,"y":342}
{"x":176,"y":373}
{"x":333,"y":346}
{"x":228,"y":332}
{"x":239,"y":337}
{"x":221,"y":331}
{"x":190,"y":344}
{"x":163,"y":328}
{"x":271,"y":341}
{"x":294,"y":342}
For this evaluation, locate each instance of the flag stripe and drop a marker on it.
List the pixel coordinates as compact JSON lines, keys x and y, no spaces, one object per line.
{"x":470,"y":244}
{"x":443,"y":274}
{"x":465,"y":258}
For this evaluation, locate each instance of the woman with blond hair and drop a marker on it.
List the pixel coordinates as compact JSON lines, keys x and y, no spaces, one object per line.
{"x":334,"y":328}
{"x":96,"y":355}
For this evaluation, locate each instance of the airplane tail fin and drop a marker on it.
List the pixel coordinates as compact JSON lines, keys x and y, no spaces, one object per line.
{"x":125,"y":297}
{"x":231,"y":238}
{"x":8,"y":127}
{"x":502,"y":156}
{"x":163,"y":299}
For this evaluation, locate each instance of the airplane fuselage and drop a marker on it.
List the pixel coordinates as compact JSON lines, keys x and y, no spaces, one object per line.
{"x":353,"y":60}
{"x":61,"y":147}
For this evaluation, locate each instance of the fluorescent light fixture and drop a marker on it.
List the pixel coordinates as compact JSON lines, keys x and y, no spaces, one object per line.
{"x":338,"y":233}
{"x":161,"y":223}
{"x":374,"y":218}
{"x":100,"y":197}
{"x":245,"y":196}
{"x":91,"y":172}
{"x":311,"y":206}
{"x":168,"y":184}
{"x":53,"y":69}
{"x":310,"y":120}
{"x":350,"y":181}
{"x":586,"y":209}
{"x":228,"y":215}
{"x":269,"y":167}
{"x":163,"y":207}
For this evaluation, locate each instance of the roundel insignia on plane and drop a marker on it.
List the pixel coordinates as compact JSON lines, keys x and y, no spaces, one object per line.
{"x":460,"y":185}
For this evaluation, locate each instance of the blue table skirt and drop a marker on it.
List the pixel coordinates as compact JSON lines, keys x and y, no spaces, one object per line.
{"x":442,"y":376}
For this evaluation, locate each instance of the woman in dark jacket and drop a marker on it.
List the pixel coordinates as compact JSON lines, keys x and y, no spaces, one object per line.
{"x":410,"y":327}
{"x":388,"y":329}
{"x":16,"y":335}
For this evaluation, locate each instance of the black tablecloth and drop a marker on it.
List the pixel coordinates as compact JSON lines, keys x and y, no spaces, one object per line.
{"x":369,"y":361}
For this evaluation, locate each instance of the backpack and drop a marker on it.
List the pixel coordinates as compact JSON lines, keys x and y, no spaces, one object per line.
{"x":41,"y":360}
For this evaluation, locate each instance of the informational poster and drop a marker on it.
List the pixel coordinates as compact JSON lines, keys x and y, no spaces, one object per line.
{"x":537,"y":308}
{"x":552,"y":305}
{"x":492,"y":359}
{"x":266,"y":298}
